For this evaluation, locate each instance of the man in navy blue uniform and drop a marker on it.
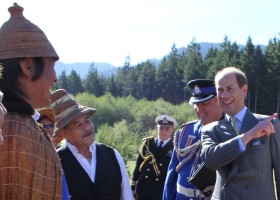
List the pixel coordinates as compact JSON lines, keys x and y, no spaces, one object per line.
{"x":187,"y":143}
{"x":152,"y":163}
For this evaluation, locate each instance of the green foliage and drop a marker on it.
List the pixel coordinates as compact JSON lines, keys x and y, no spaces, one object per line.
{"x":74,"y":83}
{"x":120,"y":137}
{"x":93,"y":83}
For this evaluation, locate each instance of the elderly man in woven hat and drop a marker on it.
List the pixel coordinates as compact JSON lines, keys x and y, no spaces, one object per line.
{"x":29,"y":165}
{"x":187,"y":145}
{"x":152,"y":163}
{"x":93,"y":170}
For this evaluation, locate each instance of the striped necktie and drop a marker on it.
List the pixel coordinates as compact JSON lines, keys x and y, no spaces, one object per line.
{"x":233,"y":123}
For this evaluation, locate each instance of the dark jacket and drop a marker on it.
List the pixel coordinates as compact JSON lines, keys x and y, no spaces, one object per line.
{"x":149,"y":176}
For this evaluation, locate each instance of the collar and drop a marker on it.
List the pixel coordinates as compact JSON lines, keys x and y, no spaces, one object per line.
{"x":16,"y":104}
{"x":239,"y":116}
{"x":164,"y":142}
{"x":72,"y":147}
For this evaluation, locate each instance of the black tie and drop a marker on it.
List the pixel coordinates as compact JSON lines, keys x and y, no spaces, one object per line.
{"x":160,"y":145}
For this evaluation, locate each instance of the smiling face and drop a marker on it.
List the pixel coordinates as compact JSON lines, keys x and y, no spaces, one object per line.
{"x":230,"y":95}
{"x":208,"y":111}
{"x":79,"y":132}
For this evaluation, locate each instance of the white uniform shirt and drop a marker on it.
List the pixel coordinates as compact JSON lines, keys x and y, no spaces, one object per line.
{"x":90,"y":168}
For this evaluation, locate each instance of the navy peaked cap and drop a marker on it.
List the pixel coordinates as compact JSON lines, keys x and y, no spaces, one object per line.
{"x":202,"y":90}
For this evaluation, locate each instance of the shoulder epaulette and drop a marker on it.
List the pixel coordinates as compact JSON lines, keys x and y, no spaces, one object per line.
{"x":148,"y":138}
{"x":190,"y":122}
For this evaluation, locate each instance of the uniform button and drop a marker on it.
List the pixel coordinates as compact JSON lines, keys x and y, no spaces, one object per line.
{"x":148,"y":169}
{"x":156,"y":179}
{"x":160,"y":164}
{"x":146,"y":177}
{"x":159,"y":172}
{"x":150,"y":162}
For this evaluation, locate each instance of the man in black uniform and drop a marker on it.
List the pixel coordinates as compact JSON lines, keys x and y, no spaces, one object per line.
{"x":152,"y":163}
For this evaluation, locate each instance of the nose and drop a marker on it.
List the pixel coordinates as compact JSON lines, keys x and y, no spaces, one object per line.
{"x":223,"y":94}
{"x":55,"y":77}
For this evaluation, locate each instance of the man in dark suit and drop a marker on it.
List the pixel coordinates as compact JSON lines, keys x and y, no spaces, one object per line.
{"x":244,"y":148}
{"x":152,"y":163}
{"x":93,"y":170}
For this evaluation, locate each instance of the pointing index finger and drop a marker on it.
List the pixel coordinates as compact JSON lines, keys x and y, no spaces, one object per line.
{"x":271,"y":117}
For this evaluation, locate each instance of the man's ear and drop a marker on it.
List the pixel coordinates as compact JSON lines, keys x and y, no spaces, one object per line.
{"x":27,"y":67}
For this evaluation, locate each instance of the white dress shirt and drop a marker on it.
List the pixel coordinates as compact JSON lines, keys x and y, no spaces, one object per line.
{"x":164,"y":142}
{"x":90,"y":168}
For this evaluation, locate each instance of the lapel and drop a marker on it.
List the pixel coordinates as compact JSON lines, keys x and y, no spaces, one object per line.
{"x":249,"y":121}
{"x":168,"y":147}
{"x":226,"y":128}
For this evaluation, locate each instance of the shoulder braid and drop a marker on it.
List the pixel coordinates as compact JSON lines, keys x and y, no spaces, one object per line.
{"x":146,"y":154}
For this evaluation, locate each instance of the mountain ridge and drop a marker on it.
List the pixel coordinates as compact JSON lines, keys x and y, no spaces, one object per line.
{"x":107,"y":69}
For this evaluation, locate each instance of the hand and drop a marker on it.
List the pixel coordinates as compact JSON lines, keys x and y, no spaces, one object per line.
{"x":208,"y":191}
{"x":264,"y":127}
{"x":134,"y":194}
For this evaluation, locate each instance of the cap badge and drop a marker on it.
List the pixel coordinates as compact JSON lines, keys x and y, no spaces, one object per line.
{"x":196,"y":90}
{"x":165,"y":121}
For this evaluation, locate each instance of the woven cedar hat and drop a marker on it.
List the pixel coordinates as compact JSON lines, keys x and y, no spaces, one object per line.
{"x":47,"y":112}
{"x":19,"y":38}
{"x":66,"y":109}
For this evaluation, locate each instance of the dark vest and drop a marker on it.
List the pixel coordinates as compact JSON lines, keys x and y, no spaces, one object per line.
{"x":108,"y":178}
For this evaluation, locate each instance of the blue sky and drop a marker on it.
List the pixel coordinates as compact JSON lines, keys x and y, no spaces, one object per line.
{"x":110,"y":30}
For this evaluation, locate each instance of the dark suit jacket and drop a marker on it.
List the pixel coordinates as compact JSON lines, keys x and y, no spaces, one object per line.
{"x":149,"y":185}
{"x":247,"y":175}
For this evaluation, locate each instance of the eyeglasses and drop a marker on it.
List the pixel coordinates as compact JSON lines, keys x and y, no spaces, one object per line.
{"x":46,"y":126}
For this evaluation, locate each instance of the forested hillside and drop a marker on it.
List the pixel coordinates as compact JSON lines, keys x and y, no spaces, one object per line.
{"x":168,"y":80}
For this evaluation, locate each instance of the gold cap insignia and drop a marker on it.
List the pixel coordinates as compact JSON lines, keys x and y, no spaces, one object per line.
{"x":165,"y":121}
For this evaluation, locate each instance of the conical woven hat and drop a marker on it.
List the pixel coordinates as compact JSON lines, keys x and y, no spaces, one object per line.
{"x":19,"y":38}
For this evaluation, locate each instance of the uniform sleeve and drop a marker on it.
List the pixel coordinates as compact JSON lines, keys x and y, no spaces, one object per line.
{"x":136,"y":171}
{"x":169,"y":191}
{"x":217,"y":154}
{"x":126,"y":193}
